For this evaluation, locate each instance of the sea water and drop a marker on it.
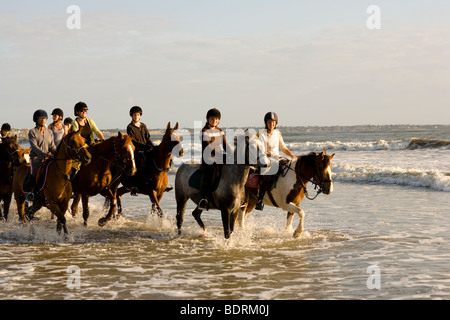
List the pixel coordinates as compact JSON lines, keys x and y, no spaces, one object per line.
{"x":382,"y":234}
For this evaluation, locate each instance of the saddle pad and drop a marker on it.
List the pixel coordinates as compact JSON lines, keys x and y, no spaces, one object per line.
{"x":196,"y":178}
{"x":253,"y":181}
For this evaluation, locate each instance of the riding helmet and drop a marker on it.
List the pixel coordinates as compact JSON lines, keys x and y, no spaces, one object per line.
{"x":135,"y":109}
{"x":213,"y":113}
{"x":38,"y":114}
{"x":58,"y":112}
{"x":80,"y":106}
{"x":6,"y":127}
{"x":270,"y":116}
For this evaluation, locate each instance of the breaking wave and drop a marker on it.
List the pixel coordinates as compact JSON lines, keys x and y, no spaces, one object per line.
{"x":433,"y":179}
{"x":390,"y":145}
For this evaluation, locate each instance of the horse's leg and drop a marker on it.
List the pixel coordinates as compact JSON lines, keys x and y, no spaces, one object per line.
{"x":85,"y":203}
{"x":61,"y":224}
{"x":112,"y":208}
{"x":197,"y":213}
{"x":226,"y":223}
{"x":120,"y":192}
{"x":75,"y":202}
{"x":155,"y":204}
{"x":6,"y":205}
{"x":299,"y":229}
{"x":181,"y":208}
{"x":290,"y":217}
{"x":20,"y":203}
{"x":233,"y":216}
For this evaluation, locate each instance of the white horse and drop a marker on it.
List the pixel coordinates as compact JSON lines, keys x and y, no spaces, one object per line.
{"x":290,"y":187}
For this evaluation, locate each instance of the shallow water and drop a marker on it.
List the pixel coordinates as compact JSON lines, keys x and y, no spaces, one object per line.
{"x":382,"y":234}
{"x":400,"y":230}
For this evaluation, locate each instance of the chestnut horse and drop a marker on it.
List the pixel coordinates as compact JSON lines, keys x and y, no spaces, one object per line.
{"x":57,"y":189}
{"x":151,"y":178}
{"x":110,"y":159}
{"x":12,"y":155}
{"x":290,"y":187}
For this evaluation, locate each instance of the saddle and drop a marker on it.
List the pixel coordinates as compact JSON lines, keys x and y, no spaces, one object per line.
{"x":196,"y":178}
{"x":41,"y":179}
{"x":255,"y":179}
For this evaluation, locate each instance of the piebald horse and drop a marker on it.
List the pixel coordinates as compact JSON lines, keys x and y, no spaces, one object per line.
{"x":290,"y":187}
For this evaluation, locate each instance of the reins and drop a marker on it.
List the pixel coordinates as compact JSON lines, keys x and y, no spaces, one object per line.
{"x":303,"y":185}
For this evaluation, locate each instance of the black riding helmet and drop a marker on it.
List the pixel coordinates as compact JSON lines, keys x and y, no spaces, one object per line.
{"x":80,"y":106}
{"x":58,"y":112}
{"x":38,"y":114}
{"x":213,"y":113}
{"x":6,"y":127}
{"x":135,"y":109}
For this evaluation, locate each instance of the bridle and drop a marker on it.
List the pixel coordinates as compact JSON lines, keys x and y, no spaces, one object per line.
{"x":317,"y":185}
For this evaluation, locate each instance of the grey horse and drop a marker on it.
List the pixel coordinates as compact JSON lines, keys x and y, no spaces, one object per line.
{"x":228,"y":197}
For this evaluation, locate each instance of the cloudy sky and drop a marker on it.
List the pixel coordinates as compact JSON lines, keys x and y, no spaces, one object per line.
{"x":312,"y":62}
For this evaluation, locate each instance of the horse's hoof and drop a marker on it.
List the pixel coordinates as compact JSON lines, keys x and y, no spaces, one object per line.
{"x":297,"y":234}
{"x":102,"y":222}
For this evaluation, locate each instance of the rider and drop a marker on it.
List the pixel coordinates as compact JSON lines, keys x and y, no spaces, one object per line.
{"x":213,"y":138}
{"x":67,"y":125}
{"x":142,"y":140}
{"x":57,"y":126}
{"x":271,"y":142}
{"x":5,"y":131}
{"x":42,"y":146}
{"x":86,"y":125}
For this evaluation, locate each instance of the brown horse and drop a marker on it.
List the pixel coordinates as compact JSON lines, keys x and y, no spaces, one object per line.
{"x":110,"y":160}
{"x":12,"y":155}
{"x":56,"y":190}
{"x":151,"y":178}
{"x":290,"y":187}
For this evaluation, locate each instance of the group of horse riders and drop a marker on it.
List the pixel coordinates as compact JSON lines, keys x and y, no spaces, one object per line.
{"x":44,"y":142}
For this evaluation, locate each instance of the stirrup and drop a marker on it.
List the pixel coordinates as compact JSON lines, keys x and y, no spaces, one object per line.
{"x":259,"y":205}
{"x":203,"y":205}
{"x":30,"y":197}
{"x":134,"y":192}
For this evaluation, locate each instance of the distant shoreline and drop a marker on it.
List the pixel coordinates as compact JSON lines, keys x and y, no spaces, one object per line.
{"x":22,"y":134}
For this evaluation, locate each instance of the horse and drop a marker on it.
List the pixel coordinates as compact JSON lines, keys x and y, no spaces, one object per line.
{"x":227,"y":197}
{"x":110,"y":159}
{"x":56,"y":191}
{"x":290,"y":187}
{"x":12,"y":155}
{"x":151,"y":177}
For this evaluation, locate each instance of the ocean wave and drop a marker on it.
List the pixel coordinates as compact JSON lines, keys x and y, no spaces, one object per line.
{"x":433,"y":179}
{"x":375,"y":145}
{"x":418,"y":143}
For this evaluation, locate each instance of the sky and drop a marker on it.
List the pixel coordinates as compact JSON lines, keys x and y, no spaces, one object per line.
{"x":314,"y":63}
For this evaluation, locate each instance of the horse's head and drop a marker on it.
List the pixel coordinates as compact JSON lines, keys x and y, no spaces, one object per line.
{"x":172,"y":141}
{"x":75,"y":146}
{"x":323,"y":172}
{"x":13,"y":150}
{"x":125,"y":150}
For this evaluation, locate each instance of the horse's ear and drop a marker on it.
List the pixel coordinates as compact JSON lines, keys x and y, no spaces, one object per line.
{"x":120,"y":134}
{"x":71,"y":130}
{"x":331,"y":157}
{"x":15,"y":137}
{"x":176,"y":126}
{"x":168,"y":126}
{"x":324,"y":151}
